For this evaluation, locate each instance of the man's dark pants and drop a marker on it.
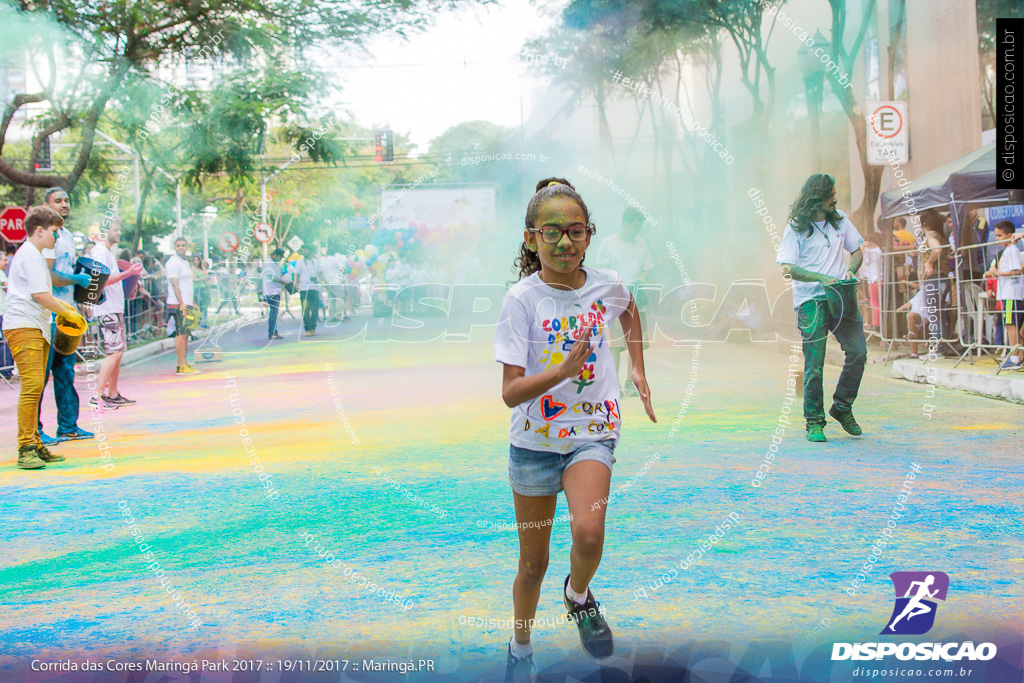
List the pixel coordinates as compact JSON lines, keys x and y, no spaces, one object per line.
{"x":63,"y":370}
{"x":274,"y":301}
{"x":310,"y":308}
{"x":815,"y":322}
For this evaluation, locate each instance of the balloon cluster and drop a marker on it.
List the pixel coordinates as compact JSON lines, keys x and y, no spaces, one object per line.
{"x":369,"y":259}
{"x":398,"y":240}
{"x":403,"y":240}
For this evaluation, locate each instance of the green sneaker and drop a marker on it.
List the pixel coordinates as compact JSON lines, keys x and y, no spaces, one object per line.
{"x":846,"y":420}
{"x":28,"y":459}
{"x":816,"y":433}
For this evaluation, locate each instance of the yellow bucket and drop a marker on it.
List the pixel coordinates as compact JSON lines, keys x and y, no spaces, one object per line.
{"x":67,"y":336}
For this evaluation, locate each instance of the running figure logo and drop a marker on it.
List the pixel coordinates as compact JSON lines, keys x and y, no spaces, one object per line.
{"x":914,"y":612}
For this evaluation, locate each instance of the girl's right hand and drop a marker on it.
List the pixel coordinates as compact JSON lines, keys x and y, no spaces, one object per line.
{"x":577,"y":356}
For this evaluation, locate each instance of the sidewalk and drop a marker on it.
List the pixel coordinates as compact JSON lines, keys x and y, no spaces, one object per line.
{"x":153,"y":348}
{"x":977,"y":378}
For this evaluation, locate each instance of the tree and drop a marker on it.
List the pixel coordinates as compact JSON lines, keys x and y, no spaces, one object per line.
{"x":988,"y":12}
{"x":651,"y":43}
{"x":846,"y":54}
{"x":741,"y":20}
{"x":112,"y":40}
{"x":590,"y":55}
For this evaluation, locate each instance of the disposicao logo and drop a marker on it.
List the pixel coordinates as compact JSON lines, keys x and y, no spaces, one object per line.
{"x":914,"y":612}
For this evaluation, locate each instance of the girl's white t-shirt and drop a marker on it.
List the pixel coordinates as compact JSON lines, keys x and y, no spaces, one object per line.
{"x":536,"y":331}
{"x":872,"y":264}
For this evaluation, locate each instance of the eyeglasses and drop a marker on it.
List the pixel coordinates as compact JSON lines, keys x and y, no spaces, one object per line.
{"x":577,"y":233}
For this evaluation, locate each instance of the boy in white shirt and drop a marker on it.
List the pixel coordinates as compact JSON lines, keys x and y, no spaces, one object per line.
{"x":1009,"y":289}
{"x":179,"y":297}
{"x":27,"y":328}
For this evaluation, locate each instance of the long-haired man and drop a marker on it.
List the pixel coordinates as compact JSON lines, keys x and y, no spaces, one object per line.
{"x":812,"y":254}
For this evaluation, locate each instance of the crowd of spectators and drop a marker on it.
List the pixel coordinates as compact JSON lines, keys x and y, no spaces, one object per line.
{"x":145,"y":296}
{"x":929,"y":282}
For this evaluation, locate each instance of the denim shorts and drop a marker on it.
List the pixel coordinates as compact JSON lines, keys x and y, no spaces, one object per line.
{"x":539,"y":473}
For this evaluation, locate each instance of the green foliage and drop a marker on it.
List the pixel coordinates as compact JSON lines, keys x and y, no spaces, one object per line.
{"x":988,"y":12}
{"x":227,"y":126}
{"x":116,"y":43}
{"x":473,"y":138}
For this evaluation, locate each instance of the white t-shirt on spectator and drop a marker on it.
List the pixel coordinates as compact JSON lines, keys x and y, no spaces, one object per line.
{"x":179,"y":268}
{"x":536,"y":331}
{"x":819,"y":251}
{"x":628,"y":259}
{"x":307,"y":270}
{"x":918,"y":304}
{"x":1010,"y":287}
{"x":271,"y":275}
{"x":872,"y":264}
{"x":64,"y":255}
{"x":114,"y":302}
{"x":29,"y":275}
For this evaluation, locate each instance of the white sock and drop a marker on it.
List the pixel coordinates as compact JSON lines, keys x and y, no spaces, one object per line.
{"x":520,"y":651}
{"x":578,"y":598}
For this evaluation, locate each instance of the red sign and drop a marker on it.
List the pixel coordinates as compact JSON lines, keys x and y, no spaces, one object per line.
{"x":264,"y":232}
{"x":12,"y":224}
{"x":228,"y":242}
{"x":887,"y":122}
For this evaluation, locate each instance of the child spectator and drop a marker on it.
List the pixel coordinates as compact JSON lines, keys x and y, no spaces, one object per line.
{"x":872,"y":249}
{"x":1009,"y":290}
{"x":915,"y":315}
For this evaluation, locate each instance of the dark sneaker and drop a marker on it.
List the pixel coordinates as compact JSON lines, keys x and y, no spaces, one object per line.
{"x":46,"y":456}
{"x":77,"y":434}
{"x":28,"y":458}
{"x":118,"y":400}
{"x":276,"y":336}
{"x":104,"y":406}
{"x":816,"y":433}
{"x":519,"y":669}
{"x":595,"y":635}
{"x":846,"y":420}
{"x":48,"y":440}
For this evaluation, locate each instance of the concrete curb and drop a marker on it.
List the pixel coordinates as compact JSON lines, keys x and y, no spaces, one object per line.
{"x":161,"y":345}
{"x":1005,"y":386}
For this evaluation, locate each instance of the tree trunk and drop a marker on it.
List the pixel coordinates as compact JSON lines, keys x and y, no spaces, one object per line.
{"x":604,"y":130}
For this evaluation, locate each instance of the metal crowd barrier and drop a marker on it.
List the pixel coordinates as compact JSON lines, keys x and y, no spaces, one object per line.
{"x":959,"y":309}
{"x":145,"y":320}
{"x":982,"y":330}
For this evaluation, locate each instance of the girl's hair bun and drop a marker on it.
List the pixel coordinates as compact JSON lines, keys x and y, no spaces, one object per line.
{"x":556,"y":181}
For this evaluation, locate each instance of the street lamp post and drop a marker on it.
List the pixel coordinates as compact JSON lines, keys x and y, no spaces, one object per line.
{"x":813,"y":69}
{"x":208,"y":215}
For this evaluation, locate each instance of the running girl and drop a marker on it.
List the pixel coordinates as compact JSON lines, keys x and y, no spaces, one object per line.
{"x":559,"y":379}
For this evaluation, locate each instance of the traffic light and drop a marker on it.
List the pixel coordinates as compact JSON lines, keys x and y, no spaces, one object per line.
{"x":44,"y":161}
{"x":383,"y":145}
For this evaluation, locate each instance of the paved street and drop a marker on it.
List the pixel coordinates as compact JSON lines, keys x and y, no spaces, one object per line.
{"x":428,"y":418}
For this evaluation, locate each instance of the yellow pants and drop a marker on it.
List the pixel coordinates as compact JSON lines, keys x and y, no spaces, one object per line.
{"x":30,"y":350}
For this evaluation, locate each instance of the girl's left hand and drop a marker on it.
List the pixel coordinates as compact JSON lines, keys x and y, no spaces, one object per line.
{"x":640,"y":382}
